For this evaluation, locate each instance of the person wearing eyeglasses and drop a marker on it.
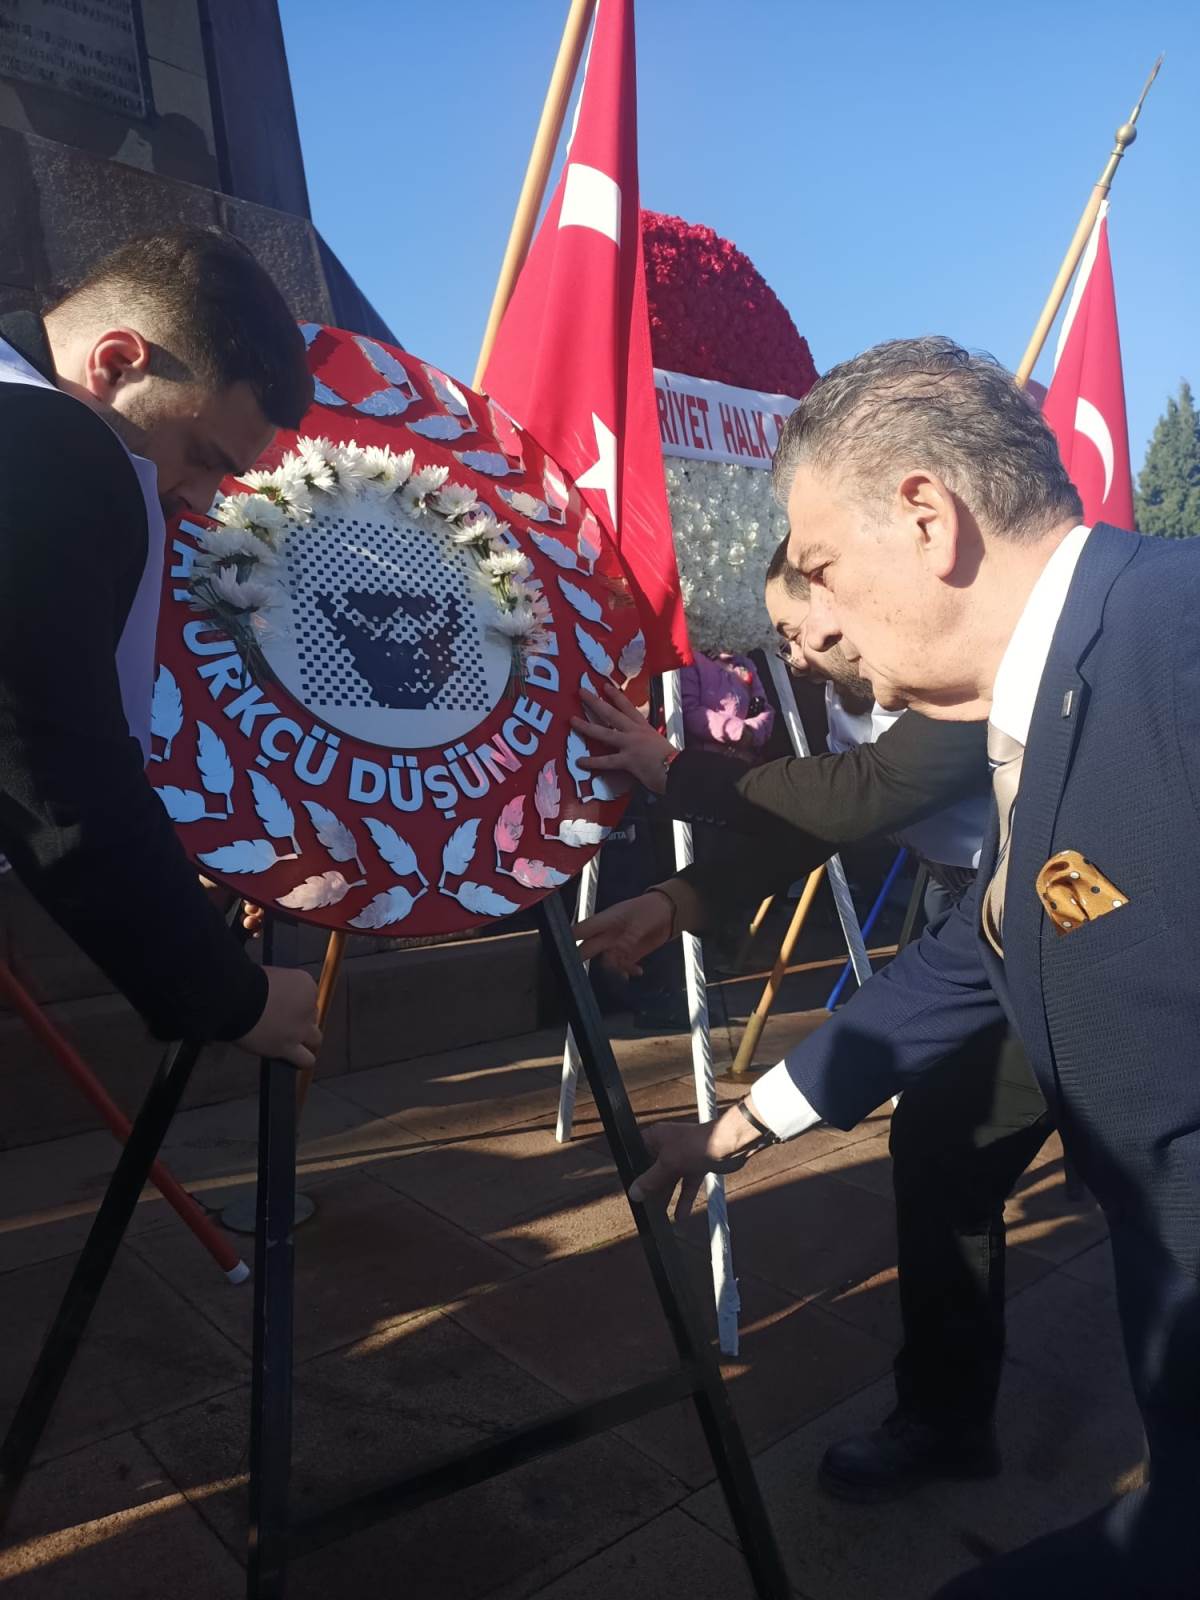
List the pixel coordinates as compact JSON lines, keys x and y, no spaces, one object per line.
{"x":960,"y":1137}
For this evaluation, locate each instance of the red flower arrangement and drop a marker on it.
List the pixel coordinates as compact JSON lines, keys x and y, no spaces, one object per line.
{"x":712,"y":314}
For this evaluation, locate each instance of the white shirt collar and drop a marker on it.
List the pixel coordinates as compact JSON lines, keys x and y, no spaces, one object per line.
{"x":1024,"y":661}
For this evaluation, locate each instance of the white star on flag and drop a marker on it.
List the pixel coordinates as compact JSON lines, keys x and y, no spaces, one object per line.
{"x":602,"y":474}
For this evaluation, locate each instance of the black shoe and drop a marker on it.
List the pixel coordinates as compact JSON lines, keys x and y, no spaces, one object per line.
{"x":903,"y":1454}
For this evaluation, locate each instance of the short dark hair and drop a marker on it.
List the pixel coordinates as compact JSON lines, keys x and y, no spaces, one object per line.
{"x":204,"y":292}
{"x":781,"y":570}
{"x":929,"y":403}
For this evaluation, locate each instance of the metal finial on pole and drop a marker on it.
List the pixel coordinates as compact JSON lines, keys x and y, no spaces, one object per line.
{"x":1125,"y":136}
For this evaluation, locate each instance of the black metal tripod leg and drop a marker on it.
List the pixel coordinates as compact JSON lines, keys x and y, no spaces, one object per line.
{"x":271,"y":1372}
{"x":94,"y":1264}
{"x":720,"y":1426}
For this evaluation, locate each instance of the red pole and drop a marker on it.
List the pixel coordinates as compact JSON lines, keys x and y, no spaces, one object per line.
{"x":176,"y":1196}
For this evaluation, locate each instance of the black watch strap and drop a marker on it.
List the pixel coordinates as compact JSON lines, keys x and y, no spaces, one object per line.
{"x":766,"y":1135}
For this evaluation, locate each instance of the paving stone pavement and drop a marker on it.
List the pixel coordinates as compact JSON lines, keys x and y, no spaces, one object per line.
{"x":465,"y":1274}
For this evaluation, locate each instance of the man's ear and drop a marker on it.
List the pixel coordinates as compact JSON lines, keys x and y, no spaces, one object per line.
{"x":118,"y":357}
{"x":931,"y":512}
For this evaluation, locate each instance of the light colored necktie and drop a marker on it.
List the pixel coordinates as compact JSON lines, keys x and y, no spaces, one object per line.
{"x":1005,"y":755}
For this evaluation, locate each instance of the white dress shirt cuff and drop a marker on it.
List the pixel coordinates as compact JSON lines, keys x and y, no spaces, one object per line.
{"x":781,"y":1105}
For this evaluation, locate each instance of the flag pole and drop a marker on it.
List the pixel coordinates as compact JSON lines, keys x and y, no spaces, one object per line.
{"x":537,"y":173}
{"x":1125,"y":136}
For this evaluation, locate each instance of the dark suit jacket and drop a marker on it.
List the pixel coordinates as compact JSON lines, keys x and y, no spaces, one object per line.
{"x":78,"y":819}
{"x":793,"y":814}
{"x":1110,"y":1013}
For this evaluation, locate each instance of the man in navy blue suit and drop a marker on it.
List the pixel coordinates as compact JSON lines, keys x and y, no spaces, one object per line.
{"x":940,"y":534}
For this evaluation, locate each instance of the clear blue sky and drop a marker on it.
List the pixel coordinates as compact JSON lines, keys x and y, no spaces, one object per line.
{"x":890,"y":169}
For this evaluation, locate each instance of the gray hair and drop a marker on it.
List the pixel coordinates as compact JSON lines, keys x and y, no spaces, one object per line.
{"x":929,"y":403}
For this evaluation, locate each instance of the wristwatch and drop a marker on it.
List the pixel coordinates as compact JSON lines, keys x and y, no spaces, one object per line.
{"x":766,"y":1138}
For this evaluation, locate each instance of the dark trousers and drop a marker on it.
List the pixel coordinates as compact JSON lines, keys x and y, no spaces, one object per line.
{"x":961,"y":1137}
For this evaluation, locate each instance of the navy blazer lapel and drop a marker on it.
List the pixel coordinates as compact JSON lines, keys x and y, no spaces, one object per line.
{"x":1057,"y":717}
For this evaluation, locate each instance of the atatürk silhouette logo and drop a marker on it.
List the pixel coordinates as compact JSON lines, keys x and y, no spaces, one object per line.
{"x":402,"y":645}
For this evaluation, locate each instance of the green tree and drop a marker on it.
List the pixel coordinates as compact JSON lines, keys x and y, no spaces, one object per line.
{"x":1168,"y":490}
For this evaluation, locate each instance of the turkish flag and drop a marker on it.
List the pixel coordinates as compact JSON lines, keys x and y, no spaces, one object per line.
{"x":571,"y":360}
{"x":1085,"y":404}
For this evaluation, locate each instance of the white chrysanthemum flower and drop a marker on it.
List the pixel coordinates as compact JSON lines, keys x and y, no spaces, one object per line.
{"x":455,"y":500}
{"x":381,"y":474}
{"x":425,"y":482}
{"x":254,"y":513}
{"x":349,"y":467}
{"x":227,"y":544}
{"x":295,"y":496}
{"x":507,"y":564}
{"x":242,"y":594}
{"x":268,"y":483}
{"x":311,"y":462}
{"x":517,"y":623}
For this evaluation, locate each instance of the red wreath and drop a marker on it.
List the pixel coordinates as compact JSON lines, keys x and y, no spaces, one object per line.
{"x":712,"y":315}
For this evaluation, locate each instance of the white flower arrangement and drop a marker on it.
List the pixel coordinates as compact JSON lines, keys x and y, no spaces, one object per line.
{"x":237,"y":579}
{"x":726,"y":525}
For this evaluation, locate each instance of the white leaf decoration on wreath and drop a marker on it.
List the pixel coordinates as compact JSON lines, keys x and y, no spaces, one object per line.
{"x":325,"y":889}
{"x":166,"y":710}
{"x":510,"y":825}
{"x":633,"y":657}
{"x":485,"y":902}
{"x":586,"y":605}
{"x":447,"y":391}
{"x":577,"y":751}
{"x":183,"y":805}
{"x":537,"y":875}
{"x":578,"y":832}
{"x":273,"y":810}
{"x":546,"y":796}
{"x":526,"y":504}
{"x":459,"y":851}
{"x":393,"y":905}
{"x":397,"y":852}
{"x":325,"y":396}
{"x":216,"y":769}
{"x":395,"y":400}
{"x":585,"y":682}
{"x":555,"y":489}
{"x":439,"y":426}
{"x":489,"y":462}
{"x":508,"y":435}
{"x":385,"y":403}
{"x":332,"y":832}
{"x":605,"y":787}
{"x":244,"y":855}
{"x":383,"y":361}
{"x":589,"y":545}
{"x":558,"y":552}
{"x":596,"y":656}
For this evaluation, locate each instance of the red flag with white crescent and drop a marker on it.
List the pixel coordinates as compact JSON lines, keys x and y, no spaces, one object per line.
{"x":572,"y":356}
{"x":1086,"y":402}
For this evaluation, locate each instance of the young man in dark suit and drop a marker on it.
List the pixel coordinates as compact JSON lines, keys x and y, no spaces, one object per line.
{"x":169,"y":366}
{"x":932,"y":516}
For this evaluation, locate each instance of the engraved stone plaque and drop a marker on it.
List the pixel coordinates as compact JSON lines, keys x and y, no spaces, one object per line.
{"x":86,"y":48}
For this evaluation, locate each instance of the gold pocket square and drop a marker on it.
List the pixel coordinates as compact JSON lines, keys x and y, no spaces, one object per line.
{"x":1074,"y":892}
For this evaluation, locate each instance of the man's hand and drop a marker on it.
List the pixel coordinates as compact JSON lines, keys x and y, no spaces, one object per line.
{"x":683,"y":1153}
{"x":626,"y":932}
{"x":287,"y":1029}
{"x":252,"y":915}
{"x":634,"y":746}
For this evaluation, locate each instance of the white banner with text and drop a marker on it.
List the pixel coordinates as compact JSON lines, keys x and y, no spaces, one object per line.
{"x":705,"y":421}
